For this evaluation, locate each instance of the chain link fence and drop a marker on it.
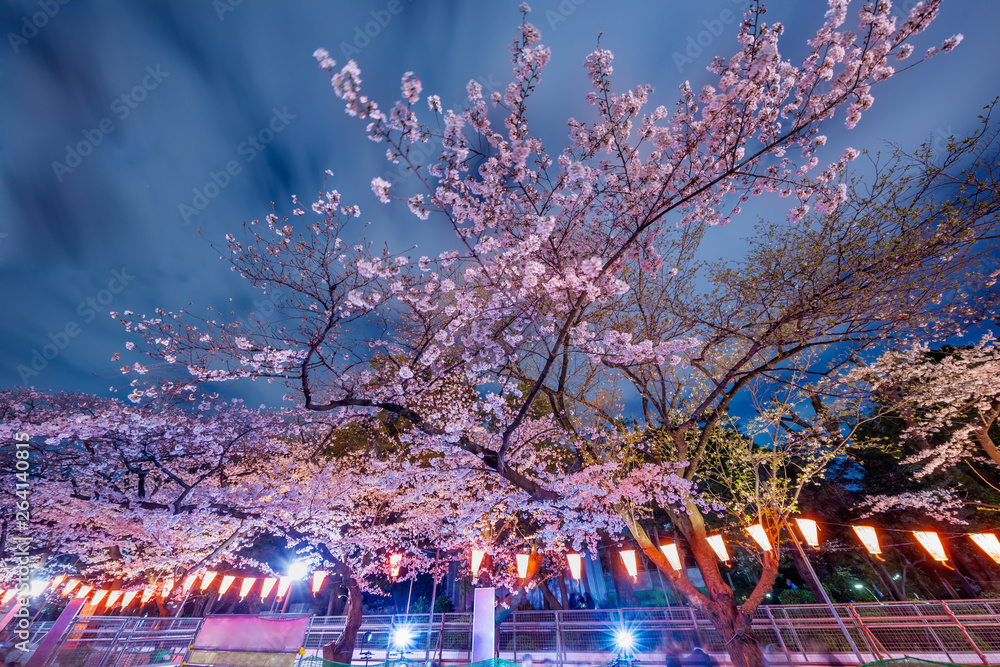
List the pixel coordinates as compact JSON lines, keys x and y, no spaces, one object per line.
{"x":966,"y":631}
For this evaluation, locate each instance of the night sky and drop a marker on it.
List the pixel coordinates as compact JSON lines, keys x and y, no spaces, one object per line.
{"x":116,"y":115}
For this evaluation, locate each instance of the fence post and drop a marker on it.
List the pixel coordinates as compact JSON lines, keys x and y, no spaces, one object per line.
{"x":777,"y":631}
{"x":873,"y":643}
{"x":559,"y":653}
{"x":964,"y":632}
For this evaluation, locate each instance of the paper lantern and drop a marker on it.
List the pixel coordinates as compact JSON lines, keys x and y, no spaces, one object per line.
{"x":810,"y":531}
{"x":247,"y":584}
{"x":58,"y":579}
{"x":989,"y":543}
{"x":868,"y":537}
{"x":189,"y":582}
{"x":207,"y":580}
{"x":70,"y":585}
{"x":477,"y":560}
{"x":759,"y":536}
{"x":318,"y":577}
{"x":147,"y":593}
{"x":112,"y":598}
{"x":575,"y":565}
{"x":127,"y":598}
{"x":718,"y":546}
{"x":168,"y":586}
{"x":2,"y":590}
{"x":83,"y":592}
{"x":628,"y":557}
{"x":98,"y":596}
{"x":227,"y":581}
{"x":394,"y":561}
{"x":267,"y":587}
{"x":522,"y":565}
{"x":283,"y":585}
{"x":673,"y":556}
{"x":930,"y":540}
{"x":8,"y":595}
{"x":37,"y":587}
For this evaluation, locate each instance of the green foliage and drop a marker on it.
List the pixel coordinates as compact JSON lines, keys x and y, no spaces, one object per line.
{"x":796,"y":596}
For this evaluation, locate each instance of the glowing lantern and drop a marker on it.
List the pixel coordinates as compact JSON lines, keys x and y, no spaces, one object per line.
{"x":868,"y":537}
{"x":267,"y":587}
{"x":670,"y":551}
{"x":112,"y":598}
{"x":575,"y":565}
{"x":1,"y":594}
{"x":38,"y":586}
{"x":522,"y":565}
{"x":98,"y":596}
{"x":227,"y":581}
{"x":247,"y":584}
{"x":477,"y":561}
{"x":628,"y":557}
{"x":394,"y":561}
{"x":207,"y":580}
{"x":168,"y":586}
{"x":930,"y":540}
{"x":148,"y":593}
{"x":759,"y":536}
{"x":8,"y":595}
{"x":283,"y":585}
{"x":989,"y":543}
{"x":58,"y":579}
{"x":84,"y":592}
{"x":70,"y":585}
{"x":318,"y":577}
{"x":189,"y":582}
{"x":810,"y":531}
{"x":127,"y":599}
{"x":718,"y":546}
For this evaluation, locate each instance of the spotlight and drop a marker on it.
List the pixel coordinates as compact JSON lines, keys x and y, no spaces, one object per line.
{"x":625,"y":640}
{"x":298,"y":570}
{"x":402,"y":637}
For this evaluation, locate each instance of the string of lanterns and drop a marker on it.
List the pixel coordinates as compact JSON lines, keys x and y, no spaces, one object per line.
{"x":809,"y":529}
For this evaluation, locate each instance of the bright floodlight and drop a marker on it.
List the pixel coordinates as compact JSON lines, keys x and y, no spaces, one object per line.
{"x":37,"y":587}
{"x":298,"y":570}
{"x":625,"y":640}
{"x":859,"y":585}
{"x":402,"y":637}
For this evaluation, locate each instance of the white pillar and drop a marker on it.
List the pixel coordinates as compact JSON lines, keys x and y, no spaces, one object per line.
{"x":483,"y":624}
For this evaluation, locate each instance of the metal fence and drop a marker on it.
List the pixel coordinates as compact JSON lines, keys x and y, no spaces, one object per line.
{"x":966,"y":631}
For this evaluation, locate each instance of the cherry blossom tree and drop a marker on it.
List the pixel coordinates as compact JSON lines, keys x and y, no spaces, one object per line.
{"x":138,"y":493}
{"x":568,"y":273}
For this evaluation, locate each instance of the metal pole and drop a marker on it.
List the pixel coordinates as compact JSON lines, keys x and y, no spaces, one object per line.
{"x":408,"y":596}
{"x":288,"y":595}
{"x":430,"y":613}
{"x":826,"y":598}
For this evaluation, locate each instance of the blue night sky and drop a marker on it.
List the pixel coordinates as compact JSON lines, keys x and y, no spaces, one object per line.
{"x":162,"y":95}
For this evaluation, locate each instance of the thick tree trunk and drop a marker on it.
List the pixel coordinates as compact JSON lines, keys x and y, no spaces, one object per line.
{"x":732,"y":622}
{"x":342,"y":650}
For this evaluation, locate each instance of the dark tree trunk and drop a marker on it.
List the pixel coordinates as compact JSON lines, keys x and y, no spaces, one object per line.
{"x":342,"y":650}
{"x":803,"y":569}
{"x":624,"y":590}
